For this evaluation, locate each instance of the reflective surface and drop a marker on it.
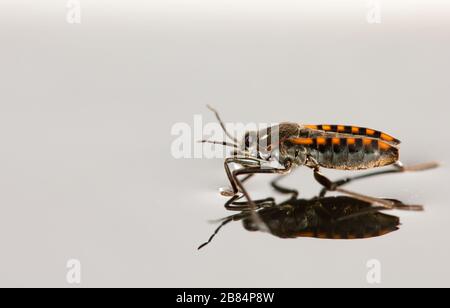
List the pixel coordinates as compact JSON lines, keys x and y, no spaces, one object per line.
{"x":86,"y":113}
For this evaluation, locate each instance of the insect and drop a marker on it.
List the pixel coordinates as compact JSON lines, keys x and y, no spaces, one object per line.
{"x":339,"y":217}
{"x":291,"y":145}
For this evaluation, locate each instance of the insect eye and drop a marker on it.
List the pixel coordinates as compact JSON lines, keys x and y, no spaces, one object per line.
{"x":248,"y":139}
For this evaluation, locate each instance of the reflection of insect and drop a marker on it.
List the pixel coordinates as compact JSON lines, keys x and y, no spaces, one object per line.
{"x":327,"y":218}
{"x":315,"y":146}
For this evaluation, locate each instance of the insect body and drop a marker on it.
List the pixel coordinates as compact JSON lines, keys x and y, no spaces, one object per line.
{"x":328,"y":146}
{"x":315,"y":146}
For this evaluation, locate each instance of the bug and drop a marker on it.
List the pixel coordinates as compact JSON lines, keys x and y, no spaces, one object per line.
{"x":338,"y":217}
{"x":291,"y":145}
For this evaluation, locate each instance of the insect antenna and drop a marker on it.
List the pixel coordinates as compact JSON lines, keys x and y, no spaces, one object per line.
{"x":398,"y":205}
{"x":222,"y":124}
{"x":224,"y":143}
{"x":226,"y":221}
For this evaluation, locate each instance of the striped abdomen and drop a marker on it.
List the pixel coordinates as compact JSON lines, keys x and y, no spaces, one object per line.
{"x":348,"y":153}
{"x":355,"y":131}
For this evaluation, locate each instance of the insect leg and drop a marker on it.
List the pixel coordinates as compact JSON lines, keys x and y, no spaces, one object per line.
{"x":256,"y":170}
{"x":238,"y":184}
{"x":387,"y":204}
{"x":237,"y":160}
{"x":347,"y":180}
{"x":222,"y":124}
{"x":234,"y":205}
{"x":398,"y":168}
{"x":419,"y":167}
{"x":252,"y":207}
{"x":268,"y":202}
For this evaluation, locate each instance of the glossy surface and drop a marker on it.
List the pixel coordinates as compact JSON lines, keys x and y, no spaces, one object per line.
{"x":86,"y":114}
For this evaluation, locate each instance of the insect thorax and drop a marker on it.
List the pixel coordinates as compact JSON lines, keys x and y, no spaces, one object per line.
{"x":271,"y":143}
{"x":297,"y":155}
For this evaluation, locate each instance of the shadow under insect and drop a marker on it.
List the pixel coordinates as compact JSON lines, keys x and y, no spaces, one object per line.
{"x":329,"y":218}
{"x":338,"y":217}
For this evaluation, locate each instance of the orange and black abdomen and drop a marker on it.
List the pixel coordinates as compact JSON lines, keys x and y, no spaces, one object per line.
{"x":348,"y":153}
{"x":355,"y":131}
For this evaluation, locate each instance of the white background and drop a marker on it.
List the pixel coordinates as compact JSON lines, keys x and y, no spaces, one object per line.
{"x":86,"y":112}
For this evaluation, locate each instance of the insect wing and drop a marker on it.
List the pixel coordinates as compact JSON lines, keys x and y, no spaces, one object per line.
{"x":354,"y":131}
